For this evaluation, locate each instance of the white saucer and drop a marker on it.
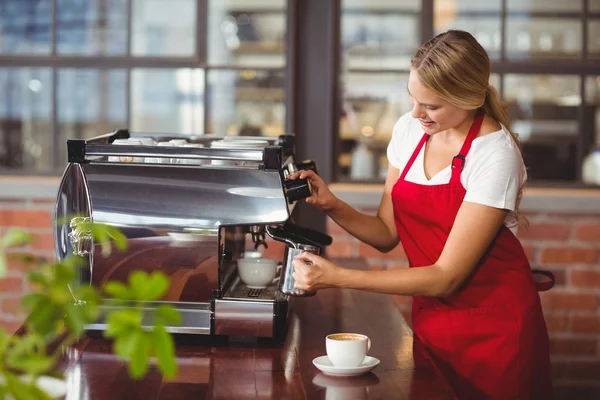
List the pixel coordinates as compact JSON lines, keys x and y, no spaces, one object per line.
{"x":327,"y":367}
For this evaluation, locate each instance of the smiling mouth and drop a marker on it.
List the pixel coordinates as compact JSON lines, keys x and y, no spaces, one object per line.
{"x":426,"y":122}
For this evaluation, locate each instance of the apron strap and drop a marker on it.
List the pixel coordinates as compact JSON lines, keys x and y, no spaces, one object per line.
{"x":414,"y":156}
{"x":458,"y":162}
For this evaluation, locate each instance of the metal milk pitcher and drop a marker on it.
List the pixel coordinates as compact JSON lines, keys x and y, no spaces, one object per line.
{"x":286,"y":281}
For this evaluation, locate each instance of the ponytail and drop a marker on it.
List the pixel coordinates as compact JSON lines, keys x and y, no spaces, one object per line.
{"x":498,"y":110}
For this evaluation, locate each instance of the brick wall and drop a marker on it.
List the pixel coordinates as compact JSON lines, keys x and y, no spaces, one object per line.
{"x":34,"y":216}
{"x":568,"y":245}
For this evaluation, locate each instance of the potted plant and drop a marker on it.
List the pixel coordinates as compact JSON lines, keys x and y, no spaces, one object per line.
{"x":56,"y":321}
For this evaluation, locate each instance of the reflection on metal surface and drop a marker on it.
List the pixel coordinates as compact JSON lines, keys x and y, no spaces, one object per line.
{"x":81,"y":236}
{"x":244,"y":318}
{"x":181,"y":198}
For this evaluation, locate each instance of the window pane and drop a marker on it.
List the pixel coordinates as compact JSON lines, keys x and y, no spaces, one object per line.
{"x":92,"y":27}
{"x":544,"y":112}
{"x":90,"y":103}
{"x":164,"y":28}
{"x":167,"y":100}
{"x":545,"y":5}
{"x":481,"y":19}
{"x":246,"y":103}
{"x":531,"y":38}
{"x":594,"y":5}
{"x":372,"y":104}
{"x":25,"y":26}
{"x":379,"y":34}
{"x":247,"y":33}
{"x":26,"y":118}
{"x":450,"y":8}
{"x":594,"y":38}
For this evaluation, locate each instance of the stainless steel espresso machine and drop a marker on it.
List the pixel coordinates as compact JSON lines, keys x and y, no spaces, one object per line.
{"x":190,"y":207}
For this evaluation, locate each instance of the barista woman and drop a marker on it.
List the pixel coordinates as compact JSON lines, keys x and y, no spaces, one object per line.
{"x":451,"y":198}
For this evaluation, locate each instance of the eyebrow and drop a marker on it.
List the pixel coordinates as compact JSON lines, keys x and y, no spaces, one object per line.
{"x":423,"y":104}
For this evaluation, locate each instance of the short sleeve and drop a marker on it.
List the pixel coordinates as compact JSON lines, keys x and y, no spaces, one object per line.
{"x":497,"y":180}
{"x":398,"y":142}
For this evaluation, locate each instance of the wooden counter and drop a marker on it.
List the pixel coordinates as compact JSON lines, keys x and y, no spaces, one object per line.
{"x":214,"y":368}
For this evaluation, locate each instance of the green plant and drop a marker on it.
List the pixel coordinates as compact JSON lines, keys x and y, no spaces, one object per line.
{"x":55,"y":320}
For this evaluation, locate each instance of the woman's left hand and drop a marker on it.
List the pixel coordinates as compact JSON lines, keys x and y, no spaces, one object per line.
{"x":312,"y":272}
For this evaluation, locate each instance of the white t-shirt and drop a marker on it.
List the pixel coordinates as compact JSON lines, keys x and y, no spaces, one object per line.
{"x":493,"y":175}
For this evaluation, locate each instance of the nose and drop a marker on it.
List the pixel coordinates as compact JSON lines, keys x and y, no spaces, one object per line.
{"x":418,"y":112}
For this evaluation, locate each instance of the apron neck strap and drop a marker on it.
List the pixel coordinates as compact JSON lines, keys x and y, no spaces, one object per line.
{"x":458,"y":162}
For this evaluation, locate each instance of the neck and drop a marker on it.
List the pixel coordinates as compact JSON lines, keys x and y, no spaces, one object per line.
{"x":460,"y":131}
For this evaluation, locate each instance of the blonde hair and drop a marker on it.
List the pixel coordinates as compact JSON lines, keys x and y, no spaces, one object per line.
{"x":457,"y":68}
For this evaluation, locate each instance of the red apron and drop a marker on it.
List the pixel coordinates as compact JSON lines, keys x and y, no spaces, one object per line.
{"x":489,"y":338}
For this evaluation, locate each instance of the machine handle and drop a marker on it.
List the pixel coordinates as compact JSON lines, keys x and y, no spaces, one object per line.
{"x":317,"y":237}
{"x":297,"y":189}
{"x":306,"y":165}
{"x":295,"y":235}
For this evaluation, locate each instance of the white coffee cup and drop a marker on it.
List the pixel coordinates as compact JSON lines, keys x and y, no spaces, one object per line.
{"x":347,"y":350}
{"x":257,"y":273}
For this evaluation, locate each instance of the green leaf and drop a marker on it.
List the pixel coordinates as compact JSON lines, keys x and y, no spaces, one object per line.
{"x":38,"y":277}
{"x":64,"y":273}
{"x":158,"y":286}
{"x":101,"y":237}
{"x":32,"y":300}
{"x":166,"y":314}
{"x":76,"y":318}
{"x":140,"y":354}
{"x":34,"y":364}
{"x":138,"y":281}
{"x":60,"y":294}
{"x":88,"y":294}
{"x":21,"y":390}
{"x":73,"y":261}
{"x":3,"y":265}
{"x":116,"y":235}
{"x":165,"y":351}
{"x":122,"y":320}
{"x":15,"y":238}
{"x":148,"y":287}
{"x":4,"y":341}
{"x":28,"y":354}
{"x":117,"y":290}
{"x":43,"y":318}
{"x":123,"y":344}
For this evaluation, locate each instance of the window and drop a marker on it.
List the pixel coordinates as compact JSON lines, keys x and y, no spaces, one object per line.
{"x":182,"y":66}
{"x":544,"y":55}
{"x":378,"y":39}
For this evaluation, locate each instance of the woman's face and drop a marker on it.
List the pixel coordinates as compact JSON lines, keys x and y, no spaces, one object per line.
{"x":435,"y":114}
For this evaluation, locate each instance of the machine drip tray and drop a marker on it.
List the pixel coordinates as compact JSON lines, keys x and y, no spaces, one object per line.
{"x":240,"y":291}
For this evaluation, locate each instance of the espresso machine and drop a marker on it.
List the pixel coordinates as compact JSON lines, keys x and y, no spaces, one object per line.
{"x":189,"y":207}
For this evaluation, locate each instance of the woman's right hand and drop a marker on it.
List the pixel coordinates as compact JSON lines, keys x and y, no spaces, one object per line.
{"x":321,"y":197}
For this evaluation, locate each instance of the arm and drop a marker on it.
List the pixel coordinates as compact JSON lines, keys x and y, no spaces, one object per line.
{"x":474,"y":230}
{"x":378,"y":230}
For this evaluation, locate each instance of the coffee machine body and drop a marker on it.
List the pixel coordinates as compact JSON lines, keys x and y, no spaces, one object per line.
{"x":190,"y":212}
